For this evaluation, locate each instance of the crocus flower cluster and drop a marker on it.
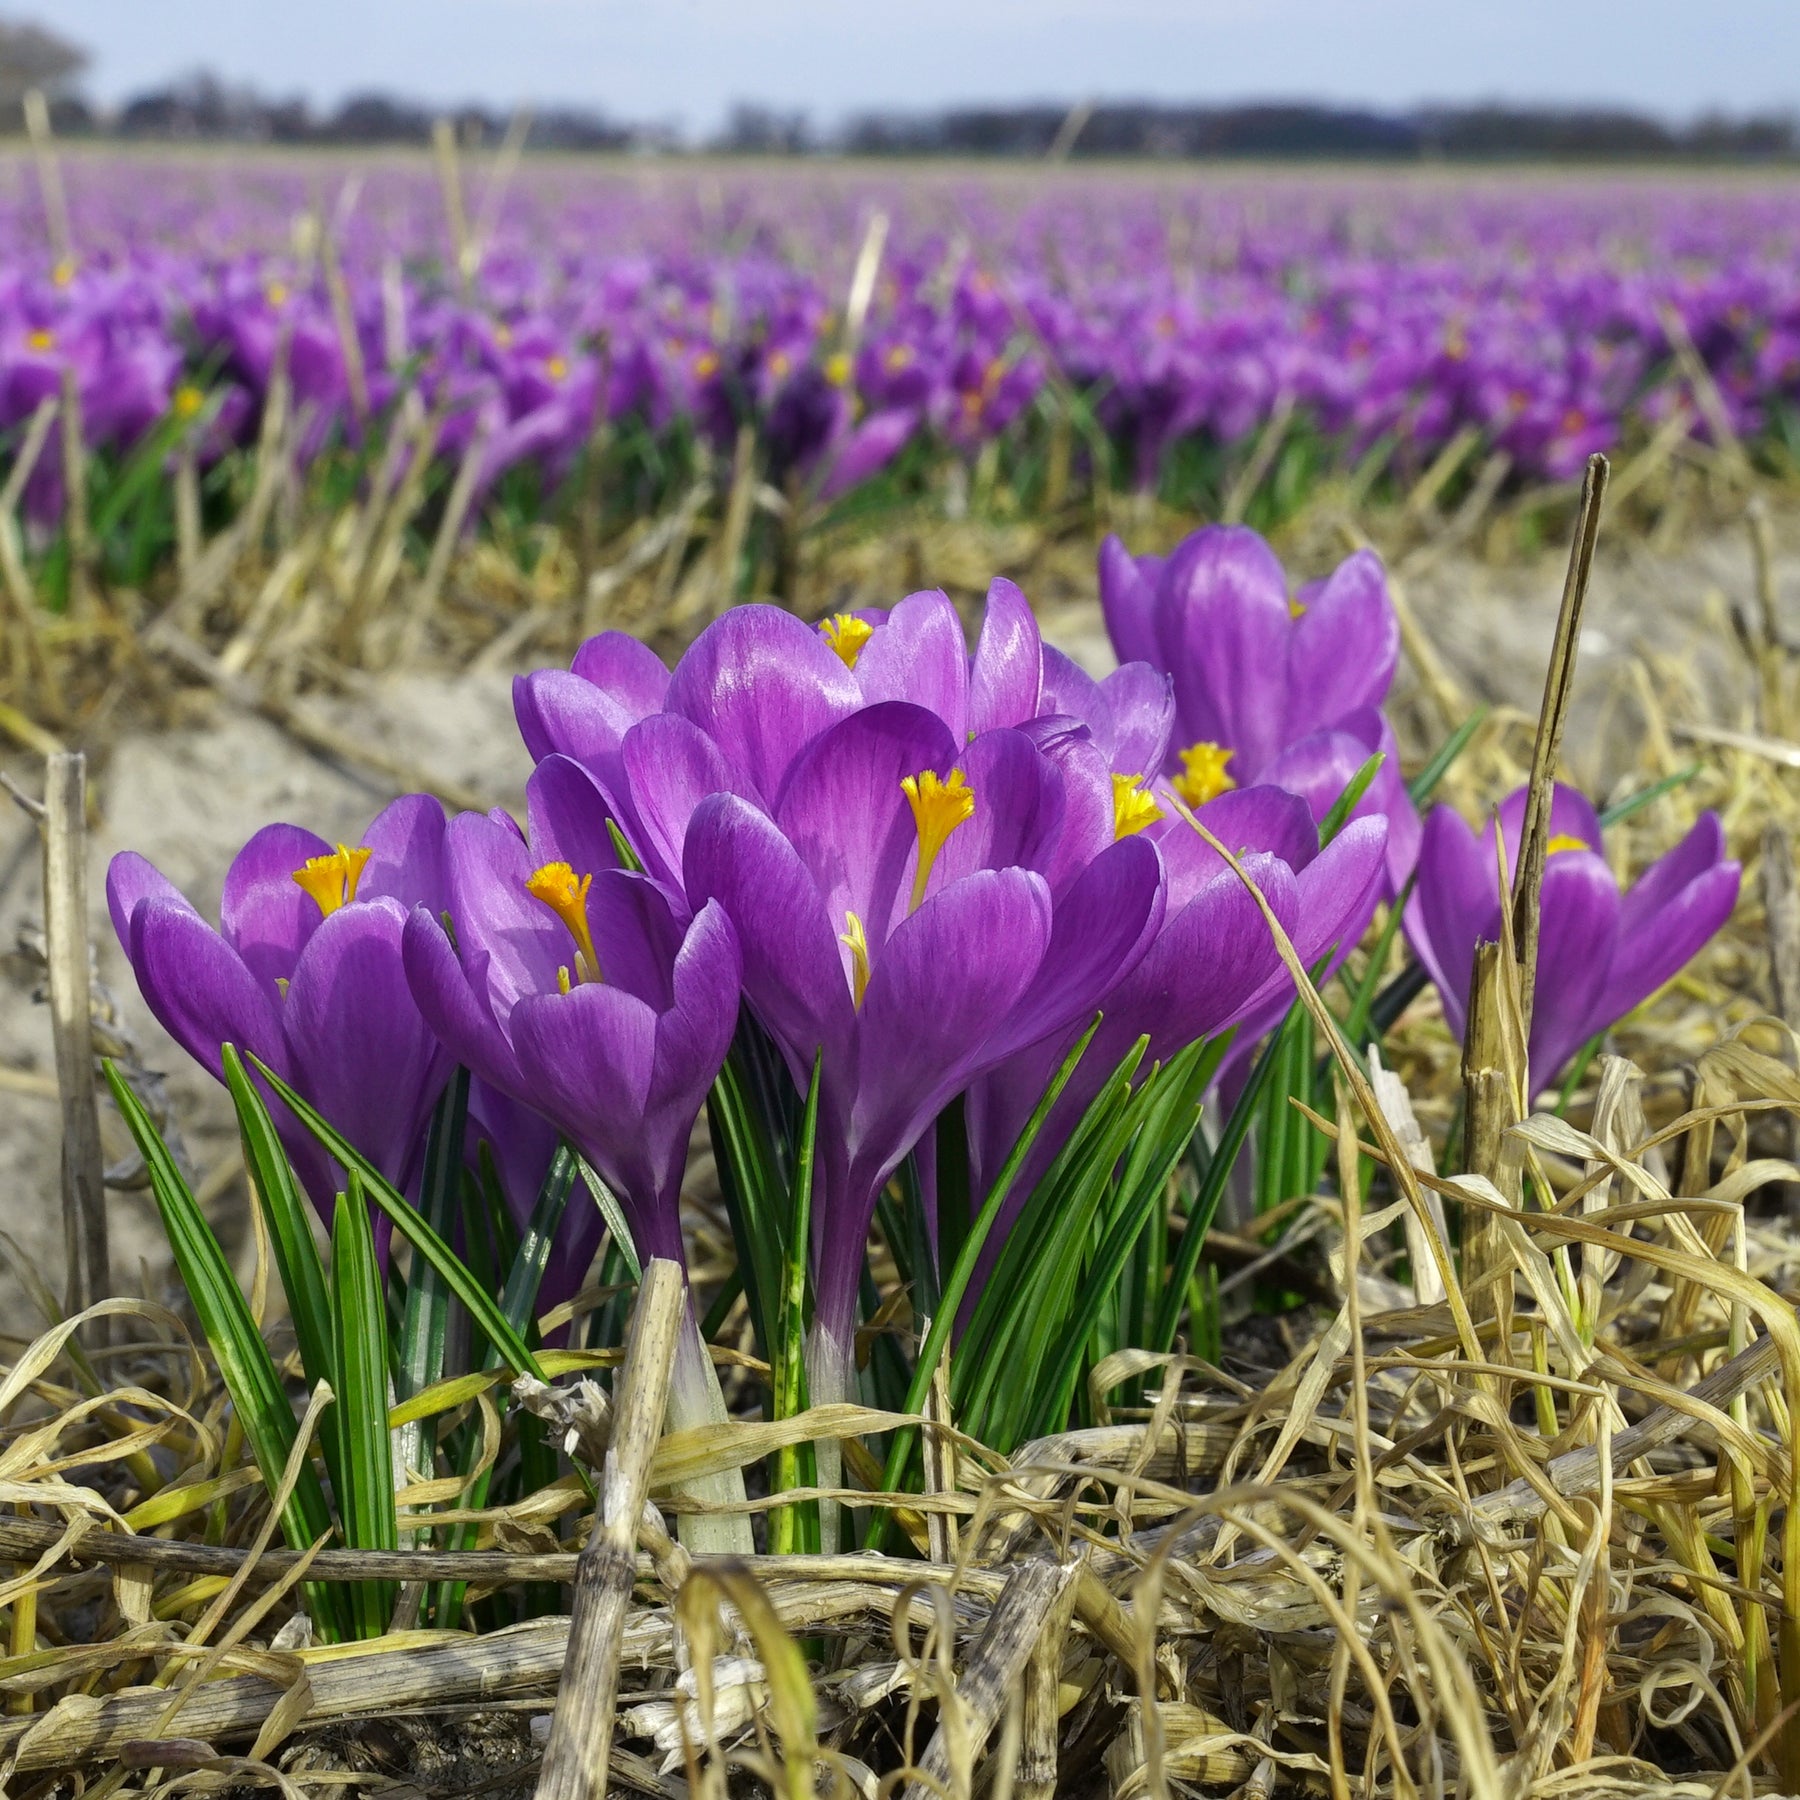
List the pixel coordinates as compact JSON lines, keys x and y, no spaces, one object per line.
{"x":1388,"y":318}
{"x":924,"y":869}
{"x":939,"y":864}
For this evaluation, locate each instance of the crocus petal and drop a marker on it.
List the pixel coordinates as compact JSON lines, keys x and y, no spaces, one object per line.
{"x":457,"y":1004}
{"x":1253,"y":818}
{"x":587,"y":1056}
{"x":1579,"y":912}
{"x":560,"y":714}
{"x":920,"y":654}
{"x":129,"y":879}
{"x":358,"y":1047}
{"x":1069,"y":689}
{"x":1019,"y":806}
{"x":406,"y":845}
{"x":512,"y":944}
{"x":635,"y":933}
{"x":1654,"y":945}
{"x":565,"y":818}
{"x":521,"y":1142}
{"x":845,"y":813}
{"x":868,"y":448}
{"x":935,"y":1000}
{"x":265,"y":916}
{"x":1701,"y":850}
{"x":1346,"y":645}
{"x":1455,"y":905}
{"x":793,"y":970}
{"x":762,"y":685}
{"x":1142,"y":702}
{"x":1572,"y":815}
{"x":199,"y":988}
{"x":671,"y":765}
{"x":1101,"y":929}
{"x":626,"y":671}
{"x":1127,"y":603}
{"x":1007,"y":674}
{"x":1223,"y":629}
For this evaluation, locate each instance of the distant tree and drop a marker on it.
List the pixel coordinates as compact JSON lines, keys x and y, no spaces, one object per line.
{"x":765,"y":131}
{"x":33,"y":56}
{"x":378,"y":119}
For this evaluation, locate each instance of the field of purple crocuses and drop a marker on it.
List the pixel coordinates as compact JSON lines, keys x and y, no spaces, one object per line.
{"x":865,"y":324}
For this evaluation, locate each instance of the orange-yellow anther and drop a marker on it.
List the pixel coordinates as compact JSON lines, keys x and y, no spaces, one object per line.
{"x":41,"y":340}
{"x":837,"y":368}
{"x":187,"y":401}
{"x":706,"y":365}
{"x":276,"y":293}
{"x":1134,"y":806}
{"x":555,"y":367}
{"x":856,"y":941}
{"x":847,"y":634}
{"x":1563,"y":841}
{"x":558,"y":887}
{"x":938,"y":807}
{"x":1203,"y":776}
{"x":899,"y":357}
{"x":1296,"y":609}
{"x":331,"y":880}
{"x":64,"y":272}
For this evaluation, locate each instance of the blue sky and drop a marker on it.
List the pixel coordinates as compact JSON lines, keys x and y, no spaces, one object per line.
{"x":685,"y":61}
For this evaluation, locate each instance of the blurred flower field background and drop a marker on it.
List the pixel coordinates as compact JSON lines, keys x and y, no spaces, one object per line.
{"x":1288,"y":1466}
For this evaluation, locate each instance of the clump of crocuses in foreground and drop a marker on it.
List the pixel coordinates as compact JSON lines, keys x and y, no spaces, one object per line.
{"x":1601,"y":951}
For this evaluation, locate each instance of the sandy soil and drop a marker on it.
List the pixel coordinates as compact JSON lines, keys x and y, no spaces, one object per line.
{"x":187,"y":799}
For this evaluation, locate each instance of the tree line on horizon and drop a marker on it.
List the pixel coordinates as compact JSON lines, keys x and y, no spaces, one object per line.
{"x":203,"y":107}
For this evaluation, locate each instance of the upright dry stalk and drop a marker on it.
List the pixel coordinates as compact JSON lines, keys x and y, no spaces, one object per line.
{"x":1781,"y":916}
{"x":1490,"y":1107}
{"x":50,"y":187}
{"x":1772,"y":714}
{"x":580,"y":1747}
{"x":75,"y":507}
{"x":1559,"y":683}
{"x":443,"y":142}
{"x":862,"y":278}
{"x":66,"y":952}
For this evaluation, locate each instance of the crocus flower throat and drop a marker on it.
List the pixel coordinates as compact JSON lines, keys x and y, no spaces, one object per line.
{"x":332,"y":880}
{"x":558,"y":887}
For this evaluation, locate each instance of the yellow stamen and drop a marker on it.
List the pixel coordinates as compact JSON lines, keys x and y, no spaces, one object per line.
{"x":276,"y":293}
{"x":555,"y":367}
{"x":899,"y":357}
{"x":562,"y":979}
{"x":64,"y":272}
{"x":837,"y":368}
{"x":856,"y":941}
{"x":779,"y":363}
{"x":332,"y":880}
{"x":706,"y":365}
{"x":503,"y":336}
{"x":1203,"y":776}
{"x":558,"y":887}
{"x":847,"y":634}
{"x":1296,"y":610}
{"x":1563,"y":841}
{"x":938,"y":807}
{"x":188,"y":401}
{"x":1133,"y":806}
{"x":42,"y":340}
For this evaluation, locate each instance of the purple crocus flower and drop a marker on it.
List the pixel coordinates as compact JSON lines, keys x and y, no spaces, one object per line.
{"x":1600,"y":952}
{"x":574,"y":989}
{"x":305,"y":972}
{"x":896,"y":917}
{"x":1266,"y":689}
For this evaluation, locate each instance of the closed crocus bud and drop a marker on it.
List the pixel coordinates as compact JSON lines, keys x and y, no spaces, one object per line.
{"x":1601,"y":952}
